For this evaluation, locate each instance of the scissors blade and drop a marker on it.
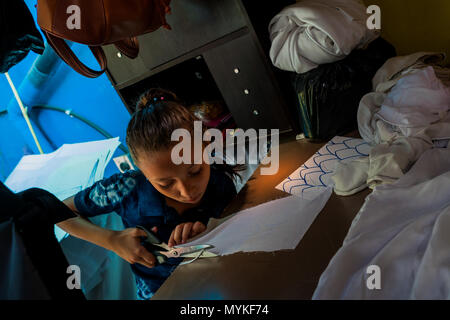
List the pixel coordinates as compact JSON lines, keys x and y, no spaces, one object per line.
{"x":182,"y":251}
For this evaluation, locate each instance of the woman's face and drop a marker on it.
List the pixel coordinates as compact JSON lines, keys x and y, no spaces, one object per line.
{"x":185,"y":183}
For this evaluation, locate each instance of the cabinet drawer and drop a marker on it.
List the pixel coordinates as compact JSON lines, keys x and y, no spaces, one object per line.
{"x":194,"y":23}
{"x":249,"y":91}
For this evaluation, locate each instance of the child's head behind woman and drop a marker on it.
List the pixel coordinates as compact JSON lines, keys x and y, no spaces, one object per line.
{"x":159,"y":112}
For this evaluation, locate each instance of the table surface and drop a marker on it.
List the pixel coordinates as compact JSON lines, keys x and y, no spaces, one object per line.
{"x":285,"y":274}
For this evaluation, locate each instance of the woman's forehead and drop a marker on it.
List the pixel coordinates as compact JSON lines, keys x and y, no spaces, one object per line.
{"x":159,"y":165}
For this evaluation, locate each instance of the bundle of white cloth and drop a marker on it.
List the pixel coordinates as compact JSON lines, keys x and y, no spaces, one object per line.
{"x":314,"y":32}
{"x":400,"y":125}
{"x":398,"y":244}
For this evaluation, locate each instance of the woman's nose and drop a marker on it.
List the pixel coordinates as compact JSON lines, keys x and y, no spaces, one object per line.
{"x":186,"y":191}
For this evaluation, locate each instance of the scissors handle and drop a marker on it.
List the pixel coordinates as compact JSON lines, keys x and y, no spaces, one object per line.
{"x":160,"y":258}
{"x":151,"y":244}
{"x":151,"y":237}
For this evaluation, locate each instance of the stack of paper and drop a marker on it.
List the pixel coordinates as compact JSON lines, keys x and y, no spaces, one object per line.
{"x":65,"y":171}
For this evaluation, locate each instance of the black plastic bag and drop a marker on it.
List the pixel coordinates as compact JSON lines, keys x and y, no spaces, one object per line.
{"x":18,"y":34}
{"x":329,"y":96}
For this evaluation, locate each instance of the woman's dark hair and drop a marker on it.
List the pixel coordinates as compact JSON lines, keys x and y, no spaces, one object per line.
{"x":158,"y":113}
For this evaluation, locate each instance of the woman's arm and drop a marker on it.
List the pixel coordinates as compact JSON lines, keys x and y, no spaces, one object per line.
{"x":125,"y":244}
{"x":82,"y":228}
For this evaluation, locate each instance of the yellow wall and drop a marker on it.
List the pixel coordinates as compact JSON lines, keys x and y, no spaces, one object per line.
{"x":416,"y":25}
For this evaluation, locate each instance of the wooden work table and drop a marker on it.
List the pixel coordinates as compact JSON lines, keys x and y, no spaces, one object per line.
{"x":287,"y":274}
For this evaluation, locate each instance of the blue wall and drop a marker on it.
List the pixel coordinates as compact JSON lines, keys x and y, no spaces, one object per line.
{"x":94,"y":99}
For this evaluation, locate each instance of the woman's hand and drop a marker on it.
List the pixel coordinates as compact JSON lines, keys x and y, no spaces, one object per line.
{"x":127,"y":245}
{"x":185,"y":231}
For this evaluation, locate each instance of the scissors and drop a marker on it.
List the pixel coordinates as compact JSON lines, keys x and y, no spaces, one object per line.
{"x":162,"y":251}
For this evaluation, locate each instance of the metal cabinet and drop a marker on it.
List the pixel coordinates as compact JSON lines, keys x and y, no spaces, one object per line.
{"x":249,"y":91}
{"x":235,"y":51}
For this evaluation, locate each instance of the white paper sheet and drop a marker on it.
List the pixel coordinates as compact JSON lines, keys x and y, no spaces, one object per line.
{"x":272,"y":226}
{"x":65,"y":171}
{"x":70,"y":168}
{"x":314,"y":176}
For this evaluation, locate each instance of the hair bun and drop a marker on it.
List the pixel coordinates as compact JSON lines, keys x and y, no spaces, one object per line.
{"x":155,"y":95}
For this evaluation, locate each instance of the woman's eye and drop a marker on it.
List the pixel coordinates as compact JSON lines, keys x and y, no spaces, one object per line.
{"x":166,"y":186}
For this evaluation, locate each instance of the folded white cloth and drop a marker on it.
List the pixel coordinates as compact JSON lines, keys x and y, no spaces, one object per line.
{"x":313,"y":32}
{"x":403,"y":229}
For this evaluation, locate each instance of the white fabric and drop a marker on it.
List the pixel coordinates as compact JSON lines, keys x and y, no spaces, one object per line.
{"x":272,"y":226}
{"x":416,"y":102}
{"x":313,"y":32}
{"x":395,"y":68}
{"x":403,"y":229}
{"x":400,"y":126}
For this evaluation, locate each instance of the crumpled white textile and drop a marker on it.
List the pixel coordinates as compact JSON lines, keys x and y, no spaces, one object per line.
{"x":397,"y":67}
{"x":400,"y":126}
{"x":313,"y":32}
{"x":415,"y":102}
{"x":403,"y":229}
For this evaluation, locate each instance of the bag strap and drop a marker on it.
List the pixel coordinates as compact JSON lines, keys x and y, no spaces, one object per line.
{"x":129,"y":47}
{"x":69,"y":57}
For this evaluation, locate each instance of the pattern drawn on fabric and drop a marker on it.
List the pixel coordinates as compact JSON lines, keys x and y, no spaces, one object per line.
{"x":314,"y":175}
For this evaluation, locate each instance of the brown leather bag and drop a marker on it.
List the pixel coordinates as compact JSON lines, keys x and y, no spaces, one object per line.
{"x":102,"y":22}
